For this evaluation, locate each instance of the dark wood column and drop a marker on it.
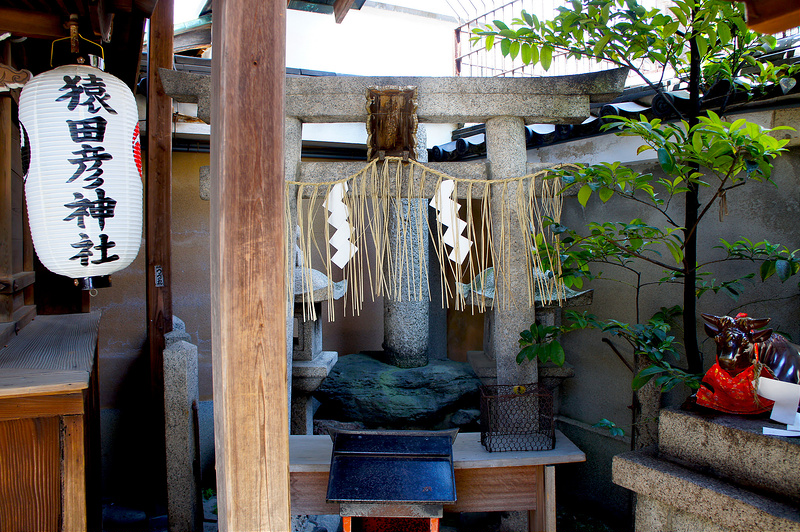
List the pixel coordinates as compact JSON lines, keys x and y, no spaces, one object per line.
{"x":158,"y":227}
{"x":248,"y":302}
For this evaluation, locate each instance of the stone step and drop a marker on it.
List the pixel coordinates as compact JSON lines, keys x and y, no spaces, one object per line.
{"x":673,"y":498}
{"x":732,"y":448}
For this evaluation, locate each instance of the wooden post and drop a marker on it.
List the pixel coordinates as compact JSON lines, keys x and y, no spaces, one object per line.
{"x":158,"y":226}
{"x":248,"y":299}
{"x":543,"y":518}
{"x":17,"y":307}
{"x":6,"y":198}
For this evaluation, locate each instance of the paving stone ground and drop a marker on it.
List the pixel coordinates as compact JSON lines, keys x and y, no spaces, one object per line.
{"x":570,"y":519}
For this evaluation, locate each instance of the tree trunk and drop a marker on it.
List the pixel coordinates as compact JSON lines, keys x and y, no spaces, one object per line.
{"x":693,"y":358}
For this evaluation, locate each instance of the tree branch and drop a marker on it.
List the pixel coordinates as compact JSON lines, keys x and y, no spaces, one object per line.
{"x":648,"y":259}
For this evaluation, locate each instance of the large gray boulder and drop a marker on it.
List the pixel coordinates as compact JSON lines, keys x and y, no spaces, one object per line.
{"x":362,"y":388}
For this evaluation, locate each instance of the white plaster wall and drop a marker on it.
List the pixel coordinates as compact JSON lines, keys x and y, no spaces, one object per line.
{"x":378,"y":40}
{"x":371,"y":41}
{"x":592,"y":150}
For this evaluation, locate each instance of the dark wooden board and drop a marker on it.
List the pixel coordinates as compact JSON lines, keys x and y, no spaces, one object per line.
{"x":54,"y":342}
{"x":30,"y":461}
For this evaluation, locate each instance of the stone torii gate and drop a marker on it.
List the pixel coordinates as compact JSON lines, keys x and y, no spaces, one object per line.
{"x":505,"y":105}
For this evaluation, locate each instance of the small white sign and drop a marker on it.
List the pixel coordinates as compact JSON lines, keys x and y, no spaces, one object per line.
{"x":786,"y":396}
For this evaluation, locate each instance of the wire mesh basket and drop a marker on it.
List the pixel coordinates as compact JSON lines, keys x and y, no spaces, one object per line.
{"x":517,"y":418}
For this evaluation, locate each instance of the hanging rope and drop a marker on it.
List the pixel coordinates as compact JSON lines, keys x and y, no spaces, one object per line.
{"x":469,"y":243}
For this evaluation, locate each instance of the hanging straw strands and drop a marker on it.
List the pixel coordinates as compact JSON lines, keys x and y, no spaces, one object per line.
{"x":392,"y":197}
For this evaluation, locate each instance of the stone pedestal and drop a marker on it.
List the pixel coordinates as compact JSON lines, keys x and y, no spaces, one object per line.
{"x":513,"y":521}
{"x":310,"y":364}
{"x":185,"y":511}
{"x":363,"y":388}
{"x":307,"y":375}
{"x":713,"y":473}
{"x":177,"y":334}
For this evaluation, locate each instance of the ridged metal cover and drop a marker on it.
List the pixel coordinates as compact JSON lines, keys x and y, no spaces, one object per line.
{"x":392,"y":467}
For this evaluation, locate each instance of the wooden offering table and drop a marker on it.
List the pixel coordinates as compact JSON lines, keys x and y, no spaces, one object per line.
{"x":485,"y":482}
{"x":48,"y":419}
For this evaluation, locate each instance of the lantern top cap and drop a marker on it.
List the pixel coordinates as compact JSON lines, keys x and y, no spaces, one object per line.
{"x":74,"y":55}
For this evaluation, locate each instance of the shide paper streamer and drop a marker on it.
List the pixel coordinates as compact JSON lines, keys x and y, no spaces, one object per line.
{"x":338,"y":219}
{"x":479,"y":225}
{"x":787,"y":398}
{"x":447,"y":215}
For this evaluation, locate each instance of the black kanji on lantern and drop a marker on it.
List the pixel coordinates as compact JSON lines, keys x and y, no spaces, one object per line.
{"x":104,"y":246}
{"x":100,"y":209}
{"x":88,"y":130}
{"x":92,"y":88}
{"x":95,"y":156}
{"x":81,"y":207}
{"x":85,"y":247}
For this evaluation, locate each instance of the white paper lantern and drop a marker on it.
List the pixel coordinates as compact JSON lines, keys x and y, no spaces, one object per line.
{"x":83,"y":184}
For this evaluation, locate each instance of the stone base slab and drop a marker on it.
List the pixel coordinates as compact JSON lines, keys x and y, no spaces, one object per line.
{"x":677,"y":499}
{"x":733,"y":448}
{"x":308,"y":374}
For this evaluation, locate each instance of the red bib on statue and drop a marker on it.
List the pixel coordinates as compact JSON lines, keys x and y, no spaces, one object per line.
{"x":733,"y":394}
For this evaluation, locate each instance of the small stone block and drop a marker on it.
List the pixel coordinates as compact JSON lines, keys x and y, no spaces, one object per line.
{"x":308,"y":343}
{"x":205,"y":183}
{"x":180,"y":397}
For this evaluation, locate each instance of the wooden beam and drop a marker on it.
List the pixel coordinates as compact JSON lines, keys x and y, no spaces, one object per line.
{"x":32,"y":24}
{"x":776,"y":22}
{"x":147,"y":7}
{"x":158,"y":228}
{"x":340,"y":9}
{"x":771,"y":16}
{"x":17,"y":281}
{"x":248,"y":301}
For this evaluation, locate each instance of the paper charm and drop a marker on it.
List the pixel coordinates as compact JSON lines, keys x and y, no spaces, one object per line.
{"x":338,"y":218}
{"x":447,"y":215}
{"x":787,"y":397}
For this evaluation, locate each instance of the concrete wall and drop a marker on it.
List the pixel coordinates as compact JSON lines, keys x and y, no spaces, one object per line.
{"x":124,"y":362}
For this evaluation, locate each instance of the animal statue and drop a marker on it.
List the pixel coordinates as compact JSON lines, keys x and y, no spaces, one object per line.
{"x":745,"y":352}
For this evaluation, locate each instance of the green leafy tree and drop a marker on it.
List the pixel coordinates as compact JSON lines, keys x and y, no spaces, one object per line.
{"x":707,"y":45}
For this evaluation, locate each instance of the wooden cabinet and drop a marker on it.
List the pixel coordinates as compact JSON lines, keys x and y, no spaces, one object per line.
{"x":49,"y":426}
